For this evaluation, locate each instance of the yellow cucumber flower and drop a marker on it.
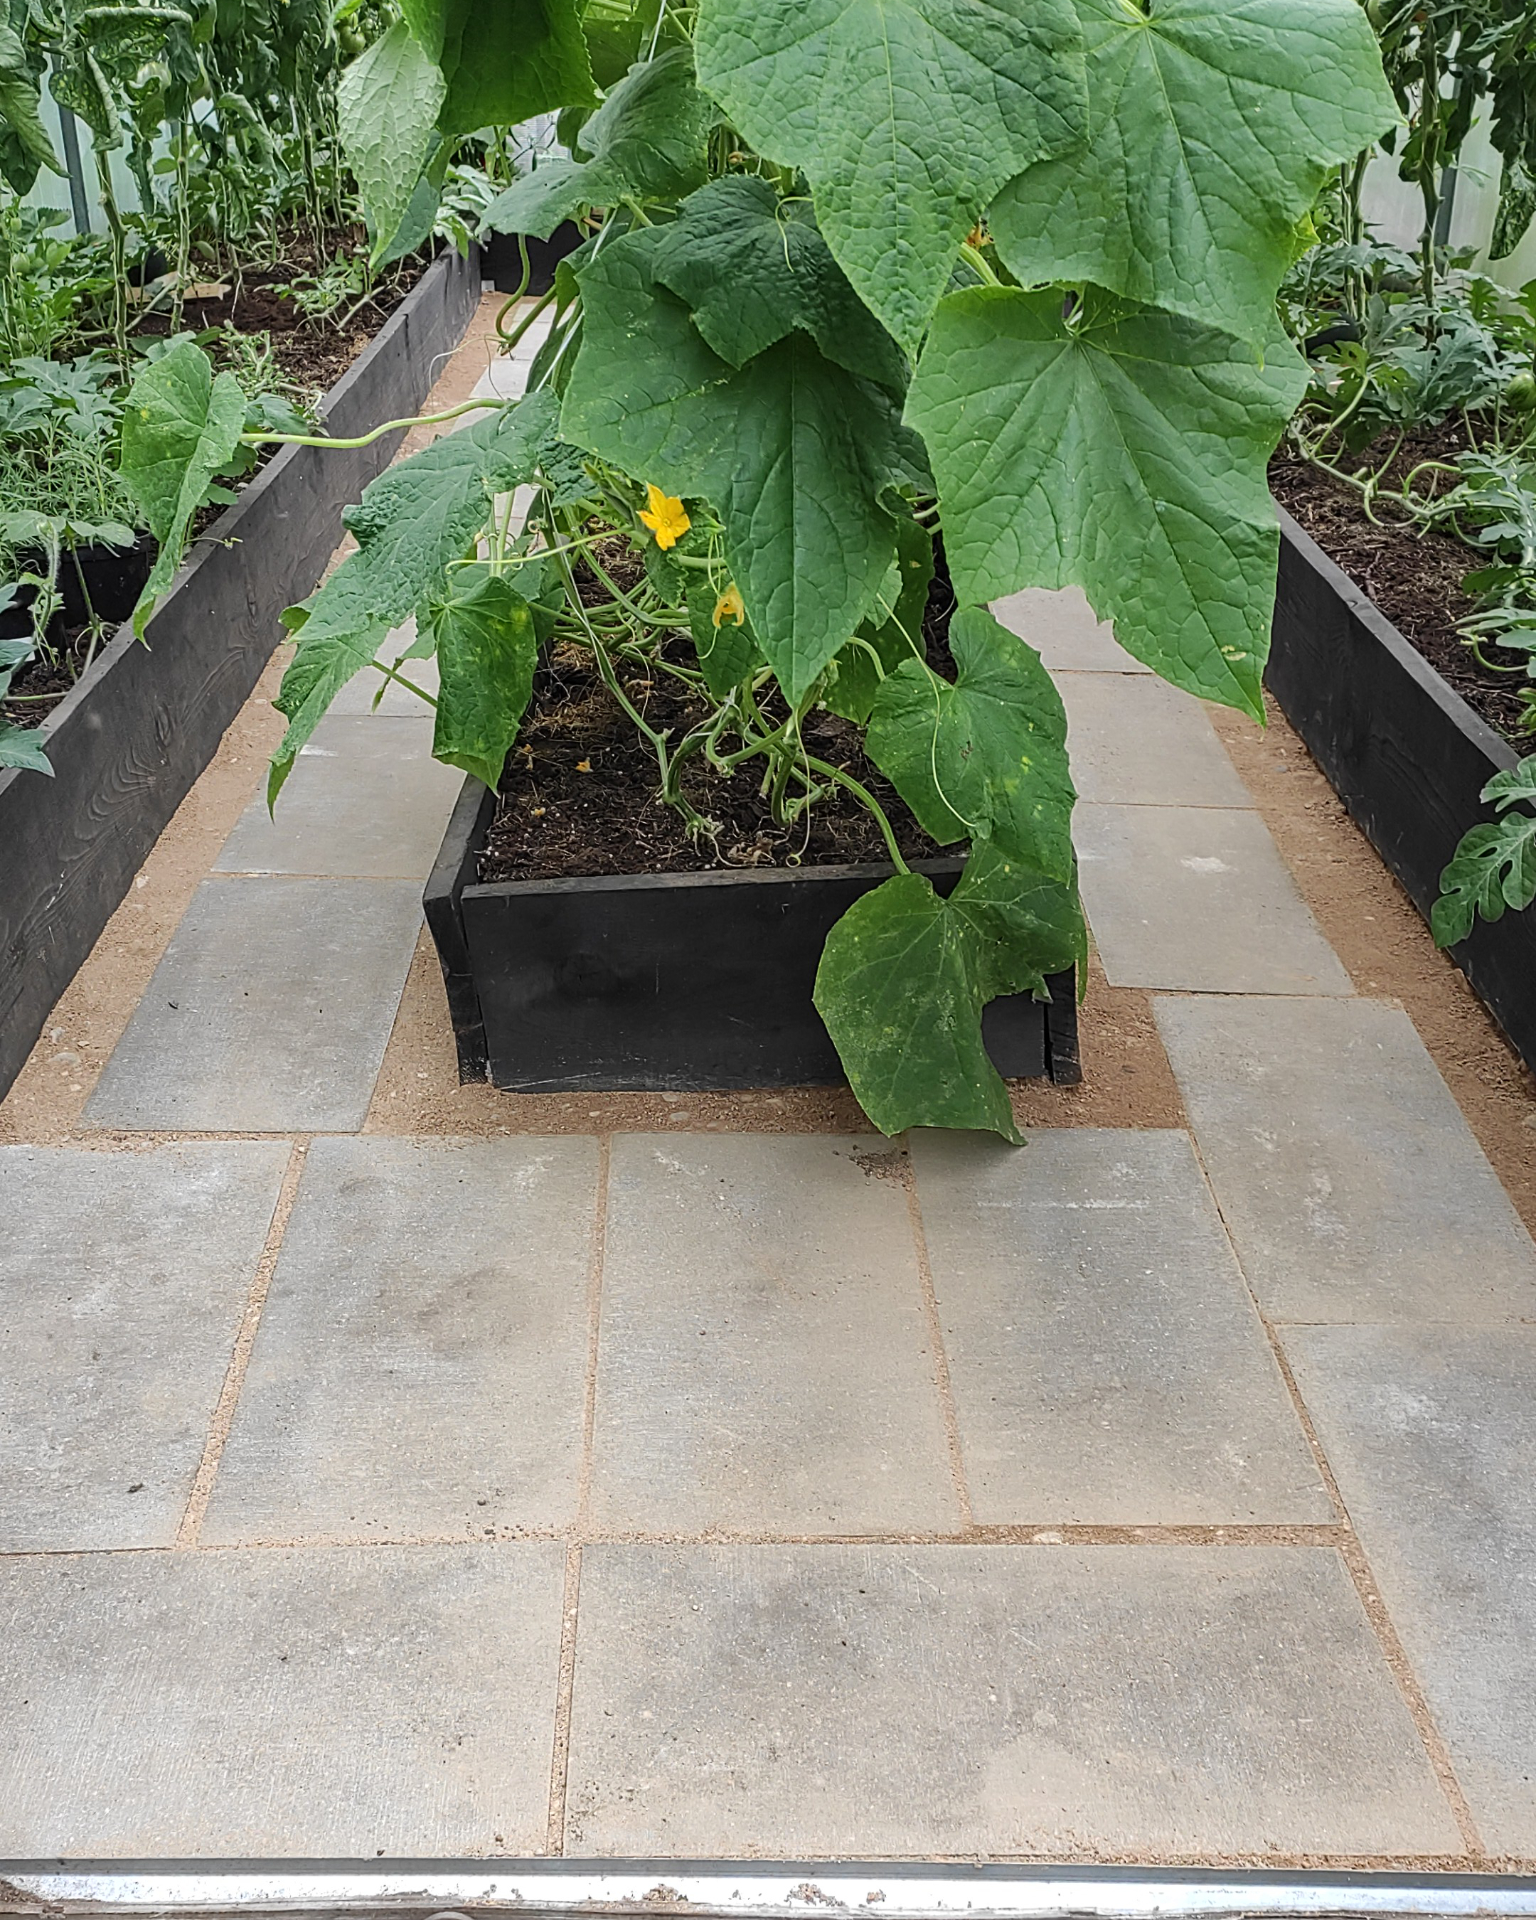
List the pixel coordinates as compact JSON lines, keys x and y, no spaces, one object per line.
{"x":730,"y":606}
{"x":667,"y":518}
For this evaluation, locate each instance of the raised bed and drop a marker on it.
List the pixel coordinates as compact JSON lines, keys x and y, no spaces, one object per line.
{"x":669,"y":982}
{"x":130,"y":739}
{"x":1406,"y":755}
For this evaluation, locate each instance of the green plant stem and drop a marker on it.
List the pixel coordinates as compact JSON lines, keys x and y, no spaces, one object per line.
{"x":378,"y":433}
{"x":511,"y":339}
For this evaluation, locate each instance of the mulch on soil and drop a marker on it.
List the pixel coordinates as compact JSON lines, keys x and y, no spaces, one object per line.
{"x":1414,"y":578}
{"x":580,"y":794}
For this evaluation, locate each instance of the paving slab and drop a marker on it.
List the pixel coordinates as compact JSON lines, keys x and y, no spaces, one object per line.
{"x":420,"y":1369}
{"x":397,"y":702}
{"x":1136,"y":741}
{"x":1352,"y":1186}
{"x":1107,"y":1363}
{"x":269,"y":1011}
{"x":805,"y":1702}
{"x":1198,"y":900}
{"x":764,"y":1358}
{"x":123,"y":1277}
{"x":1064,"y":630}
{"x":308,"y":1703}
{"x":1432,"y":1433}
{"x":365,"y":799}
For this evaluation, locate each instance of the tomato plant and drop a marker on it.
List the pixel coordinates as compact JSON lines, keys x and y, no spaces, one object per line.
{"x":860,"y":273}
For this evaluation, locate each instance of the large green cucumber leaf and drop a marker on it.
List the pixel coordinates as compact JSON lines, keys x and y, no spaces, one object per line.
{"x":646,"y":141}
{"x":753,"y":267}
{"x":181,"y":426}
{"x":1212,"y":124}
{"x":387,"y":103}
{"x":986,"y":756}
{"x":901,"y":985}
{"x":487,"y":649}
{"x":905,"y":974}
{"x":791,"y":451}
{"x":1122,"y":451}
{"x":906,"y":116}
{"x":413,"y":522}
{"x":503,"y":60}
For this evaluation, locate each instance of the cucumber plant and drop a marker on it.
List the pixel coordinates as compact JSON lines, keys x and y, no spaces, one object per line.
{"x":859,"y":274}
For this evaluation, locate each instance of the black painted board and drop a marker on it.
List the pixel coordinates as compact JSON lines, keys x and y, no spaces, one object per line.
{"x":131,"y":738}
{"x":468,"y":825}
{"x":503,"y":260}
{"x":684,"y":982}
{"x":1407,"y":756}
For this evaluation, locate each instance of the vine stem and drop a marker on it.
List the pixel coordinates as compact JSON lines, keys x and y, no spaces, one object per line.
{"x":367,"y":439}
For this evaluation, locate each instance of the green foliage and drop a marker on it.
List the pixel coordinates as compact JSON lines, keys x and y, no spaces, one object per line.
{"x":19,"y":746}
{"x":646,"y":140}
{"x":983,"y":757}
{"x":862,"y":273}
{"x":486,"y":652}
{"x":388,"y":102}
{"x":1494,"y":865}
{"x":1118,"y":449}
{"x":792,"y":451}
{"x":181,"y":427}
{"x":906,"y":116}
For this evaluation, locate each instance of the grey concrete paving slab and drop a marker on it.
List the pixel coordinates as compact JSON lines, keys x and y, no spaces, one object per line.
{"x":764,"y":1358}
{"x":397,"y":702}
{"x":365,"y":799}
{"x":806,"y":1701}
{"x":420,"y":1368}
{"x":319,"y":1703}
{"x":269,"y":1011}
{"x":123,"y":1277}
{"x":1136,"y":741}
{"x":1352,"y":1186}
{"x":1198,"y":900}
{"x":1063,"y":630}
{"x":1432,"y":1433}
{"x":1107,"y":1363}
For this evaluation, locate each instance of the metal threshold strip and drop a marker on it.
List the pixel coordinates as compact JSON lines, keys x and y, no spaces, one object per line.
{"x":765,"y":1891}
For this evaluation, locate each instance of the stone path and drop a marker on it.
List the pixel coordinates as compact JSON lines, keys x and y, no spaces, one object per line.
{"x":1149,"y":1494}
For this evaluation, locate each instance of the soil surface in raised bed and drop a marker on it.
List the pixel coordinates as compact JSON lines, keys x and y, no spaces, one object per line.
{"x":1414,"y":578}
{"x":313,"y":352}
{"x":579,"y":797}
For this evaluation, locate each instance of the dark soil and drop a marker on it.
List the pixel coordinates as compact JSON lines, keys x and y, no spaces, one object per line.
{"x":1415,"y":579}
{"x":313,"y":353}
{"x":580,"y":798}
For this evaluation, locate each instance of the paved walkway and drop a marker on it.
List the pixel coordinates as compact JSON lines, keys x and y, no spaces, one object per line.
{"x":1149,"y":1494}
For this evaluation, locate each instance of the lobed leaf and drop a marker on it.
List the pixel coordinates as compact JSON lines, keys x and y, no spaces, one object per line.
{"x":412,"y":522}
{"x":1494,"y":865}
{"x":792,"y":452}
{"x":646,"y":141}
{"x":487,"y":649}
{"x":753,"y":268}
{"x":906,"y":116}
{"x":1211,"y":126}
{"x":387,"y":102}
{"x":181,"y":426}
{"x":901,"y":985}
{"x":986,"y":756}
{"x":504,"y":61}
{"x":1121,"y":450}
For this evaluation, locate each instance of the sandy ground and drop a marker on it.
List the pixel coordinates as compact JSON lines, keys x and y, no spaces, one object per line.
{"x":1361,"y":909}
